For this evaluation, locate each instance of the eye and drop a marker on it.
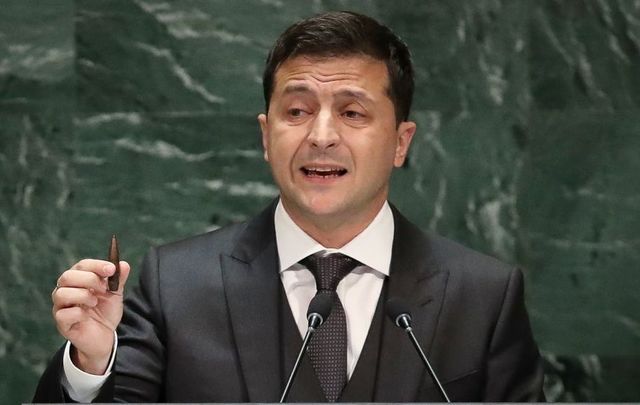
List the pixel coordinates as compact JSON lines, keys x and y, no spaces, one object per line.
{"x":296,"y":112}
{"x":351,"y":114}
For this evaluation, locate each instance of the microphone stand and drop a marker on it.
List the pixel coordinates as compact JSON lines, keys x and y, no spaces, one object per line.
{"x":305,"y":343}
{"x":432,"y":373}
{"x":319,"y":309}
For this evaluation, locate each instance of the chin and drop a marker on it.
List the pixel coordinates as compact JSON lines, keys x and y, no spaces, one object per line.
{"x":323,"y":210}
{"x":323,"y":207}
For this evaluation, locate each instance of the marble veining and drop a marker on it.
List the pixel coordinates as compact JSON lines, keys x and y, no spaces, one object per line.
{"x":138,"y":117}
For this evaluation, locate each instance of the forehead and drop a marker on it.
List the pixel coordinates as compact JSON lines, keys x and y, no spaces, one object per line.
{"x":318,"y":73}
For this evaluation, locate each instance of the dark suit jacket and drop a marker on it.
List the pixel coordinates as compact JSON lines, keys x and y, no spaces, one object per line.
{"x":200,"y":325}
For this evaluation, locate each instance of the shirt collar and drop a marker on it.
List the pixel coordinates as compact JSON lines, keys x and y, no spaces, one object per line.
{"x":372,"y":247}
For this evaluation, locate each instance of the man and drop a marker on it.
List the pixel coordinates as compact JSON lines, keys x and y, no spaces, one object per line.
{"x":219,"y":317}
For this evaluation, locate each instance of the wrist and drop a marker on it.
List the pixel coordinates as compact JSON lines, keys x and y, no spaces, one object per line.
{"x":96,"y":365}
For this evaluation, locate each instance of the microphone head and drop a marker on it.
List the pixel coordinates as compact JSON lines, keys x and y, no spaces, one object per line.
{"x":397,"y":309}
{"x":320,"y":306}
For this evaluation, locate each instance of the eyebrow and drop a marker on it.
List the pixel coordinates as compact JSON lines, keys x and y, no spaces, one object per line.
{"x":357,"y":94}
{"x":344,"y":93}
{"x":296,"y":88}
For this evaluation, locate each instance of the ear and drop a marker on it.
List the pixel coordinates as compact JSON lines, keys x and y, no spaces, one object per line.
{"x":405,"y":133}
{"x":264,"y":128}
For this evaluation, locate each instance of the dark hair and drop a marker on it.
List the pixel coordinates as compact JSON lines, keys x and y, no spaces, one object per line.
{"x":344,"y":33}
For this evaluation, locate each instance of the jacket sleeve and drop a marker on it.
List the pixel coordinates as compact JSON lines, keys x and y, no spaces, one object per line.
{"x":514,"y":365}
{"x":140,"y":360}
{"x":49,"y":387}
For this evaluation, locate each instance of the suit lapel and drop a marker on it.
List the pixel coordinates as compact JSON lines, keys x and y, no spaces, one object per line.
{"x":251,"y":280}
{"x":251,"y":283}
{"x":414,"y":279}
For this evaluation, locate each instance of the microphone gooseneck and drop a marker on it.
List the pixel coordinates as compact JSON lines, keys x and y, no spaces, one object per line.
{"x":399,"y":313}
{"x":319,"y":309}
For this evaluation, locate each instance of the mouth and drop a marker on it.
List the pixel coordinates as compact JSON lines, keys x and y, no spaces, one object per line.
{"x":324,"y":172}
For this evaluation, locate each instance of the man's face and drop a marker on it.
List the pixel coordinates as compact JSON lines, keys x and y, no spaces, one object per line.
{"x":331,"y":138}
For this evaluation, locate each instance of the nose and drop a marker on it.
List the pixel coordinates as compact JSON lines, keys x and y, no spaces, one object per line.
{"x":323,"y":133}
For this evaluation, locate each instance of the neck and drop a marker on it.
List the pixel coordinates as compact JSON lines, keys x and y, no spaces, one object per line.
{"x":333,"y":231}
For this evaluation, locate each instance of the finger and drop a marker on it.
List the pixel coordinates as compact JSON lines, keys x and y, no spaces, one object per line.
{"x":102,"y":268}
{"x":81,"y":279}
{"x":66,"y":318}
{"x":66,"y":297}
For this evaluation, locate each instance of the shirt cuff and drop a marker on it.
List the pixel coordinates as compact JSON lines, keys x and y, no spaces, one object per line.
{"x":81,"y":386}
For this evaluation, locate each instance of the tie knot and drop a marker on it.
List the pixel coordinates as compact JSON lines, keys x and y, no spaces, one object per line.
{"x":329,"y":268}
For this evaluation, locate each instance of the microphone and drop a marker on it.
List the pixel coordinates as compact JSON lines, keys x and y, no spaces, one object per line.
{"x":400,"y":315}
{"x":319,"y":310}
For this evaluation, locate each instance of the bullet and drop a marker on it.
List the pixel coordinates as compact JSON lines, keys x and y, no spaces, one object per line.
{"x":114,"y":257}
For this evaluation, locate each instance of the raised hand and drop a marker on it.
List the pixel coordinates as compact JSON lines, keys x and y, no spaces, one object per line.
{"x":87,"y":314}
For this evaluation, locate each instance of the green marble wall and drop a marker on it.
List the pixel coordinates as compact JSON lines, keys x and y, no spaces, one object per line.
{"x":138,"y":117}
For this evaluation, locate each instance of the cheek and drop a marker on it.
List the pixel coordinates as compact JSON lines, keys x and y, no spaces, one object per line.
{"x":377,"y":154}
{"x":377,"y":160}
{"x":281,"y":151}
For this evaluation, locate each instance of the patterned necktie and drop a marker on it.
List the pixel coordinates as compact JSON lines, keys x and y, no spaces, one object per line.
{"x":328,"y":347}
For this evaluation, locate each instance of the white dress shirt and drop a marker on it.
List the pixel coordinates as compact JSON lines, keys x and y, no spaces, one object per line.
{"x":359,"y":291}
